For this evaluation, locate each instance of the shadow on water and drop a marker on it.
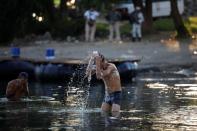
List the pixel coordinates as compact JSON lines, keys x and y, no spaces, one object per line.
{"x":164,"y":99}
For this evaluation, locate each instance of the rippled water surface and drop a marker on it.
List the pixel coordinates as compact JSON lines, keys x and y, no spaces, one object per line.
{"x":159,"y":100}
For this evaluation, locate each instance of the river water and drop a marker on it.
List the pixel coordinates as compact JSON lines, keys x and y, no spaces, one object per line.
{"x":162,"y":99}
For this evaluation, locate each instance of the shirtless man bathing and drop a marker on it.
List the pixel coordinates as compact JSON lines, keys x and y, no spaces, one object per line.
{"x":111,"y":78}
{"x":18,"y":88}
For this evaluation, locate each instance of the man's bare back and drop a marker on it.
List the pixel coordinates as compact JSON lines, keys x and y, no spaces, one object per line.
{"x":17,"y":88}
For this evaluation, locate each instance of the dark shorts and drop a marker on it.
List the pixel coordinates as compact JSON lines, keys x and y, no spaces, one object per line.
{"x":113,"y":98}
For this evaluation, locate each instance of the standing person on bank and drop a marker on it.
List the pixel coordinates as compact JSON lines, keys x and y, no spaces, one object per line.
{"x":113,"y":18}
{"x":18,"y":87}
{"x":136,"y":18}
{"x":90,"y":24}
{"x":109,"y":74}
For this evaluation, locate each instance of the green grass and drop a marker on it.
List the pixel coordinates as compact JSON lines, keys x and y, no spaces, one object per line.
{"x":192,"y":24}
{"x":165,"y":24}
{"x":102,"y":26}
{"x":102,"y":29}
{"x":125,"y":28}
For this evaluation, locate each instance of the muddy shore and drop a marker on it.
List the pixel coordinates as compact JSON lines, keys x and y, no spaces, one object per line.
{"x":150,"y":53}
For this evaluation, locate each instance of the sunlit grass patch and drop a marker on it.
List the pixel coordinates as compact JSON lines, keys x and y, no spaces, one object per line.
{"x":193,"y":23}
{"x":56,"y":3}
{"x":193,"y":19}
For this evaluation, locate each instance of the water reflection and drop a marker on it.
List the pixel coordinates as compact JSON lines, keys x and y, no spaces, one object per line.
{"x":164,"y":100}
{"x":193,"y":46}
{"x":172,"y":44}
{"x":179,"y":98}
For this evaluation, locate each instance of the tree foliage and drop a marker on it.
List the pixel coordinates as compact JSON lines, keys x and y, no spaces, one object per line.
{"x":16,"y":17}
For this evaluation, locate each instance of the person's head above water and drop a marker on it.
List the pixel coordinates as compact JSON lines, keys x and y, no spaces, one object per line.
{"x":23,"y":75}
{"x":102,"y":57}
{"x":98,"y":54}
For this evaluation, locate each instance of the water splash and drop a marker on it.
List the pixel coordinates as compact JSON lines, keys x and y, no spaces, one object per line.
{"x":77,"y":91}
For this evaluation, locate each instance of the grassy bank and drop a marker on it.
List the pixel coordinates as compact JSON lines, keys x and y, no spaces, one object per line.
{"x":159,"y":25}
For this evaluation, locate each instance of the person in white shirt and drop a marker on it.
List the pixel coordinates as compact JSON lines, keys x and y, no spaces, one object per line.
{"x":90,"y":24}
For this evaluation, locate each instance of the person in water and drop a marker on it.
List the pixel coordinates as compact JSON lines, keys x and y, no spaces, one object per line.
{"x":18,"y":87}
{"x":109,"y":74}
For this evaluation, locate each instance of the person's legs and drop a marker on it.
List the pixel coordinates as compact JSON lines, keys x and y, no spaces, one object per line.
{"x":92,"y":34}
{"x":111,"y":32}
{"x":87,"y":31}
{"x":139,"y":32}
{"x":105,"y":111}
{"x":105,"y":107}
{"x":134,"y":32}
{"x":115,"y":110}
{"x":116,"y":103}
{"x":117,"y":30}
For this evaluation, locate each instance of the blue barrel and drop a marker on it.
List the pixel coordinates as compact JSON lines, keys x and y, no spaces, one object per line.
{"x":50,"y":53}
{"x":15,"y":52}
{"x":127,"y":66}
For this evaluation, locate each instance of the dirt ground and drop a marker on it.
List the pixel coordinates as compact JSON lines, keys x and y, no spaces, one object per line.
{"x":150,"y":52}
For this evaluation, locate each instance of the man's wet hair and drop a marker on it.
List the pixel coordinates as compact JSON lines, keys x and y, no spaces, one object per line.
{"x":102,"y":57}
{"x":23,"y":75}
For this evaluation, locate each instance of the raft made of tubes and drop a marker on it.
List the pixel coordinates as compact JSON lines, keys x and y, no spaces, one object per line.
{"x":50,"y":70}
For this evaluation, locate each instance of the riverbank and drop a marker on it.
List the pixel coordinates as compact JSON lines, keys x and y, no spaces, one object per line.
{"x":149,"y":52}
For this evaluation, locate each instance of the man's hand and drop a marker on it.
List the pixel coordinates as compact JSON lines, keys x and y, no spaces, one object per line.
{"x":99,"y":75}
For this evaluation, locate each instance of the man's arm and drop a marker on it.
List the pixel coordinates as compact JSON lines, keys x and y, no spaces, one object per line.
{"x":26,"y":89}
{"x":107,"y":71}
{"x":98,"y":67}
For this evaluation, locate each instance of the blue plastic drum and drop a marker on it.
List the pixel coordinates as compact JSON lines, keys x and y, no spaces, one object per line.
{"x":15,"y":52}
{"x":50,"y":53}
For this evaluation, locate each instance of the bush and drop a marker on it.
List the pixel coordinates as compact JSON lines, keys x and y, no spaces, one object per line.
{"x":67,"y":27}
{"x":125,"y":29}
{"x":164,"y":24}
{"x":102,"y":30}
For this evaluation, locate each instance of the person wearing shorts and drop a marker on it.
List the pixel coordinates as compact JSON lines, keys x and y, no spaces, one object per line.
{"x":109,"y":74}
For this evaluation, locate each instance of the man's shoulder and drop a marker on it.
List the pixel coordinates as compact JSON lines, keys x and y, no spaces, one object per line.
{"x":112,"y":65}
{"x":15,"y":81}
{"x":12,"y":84}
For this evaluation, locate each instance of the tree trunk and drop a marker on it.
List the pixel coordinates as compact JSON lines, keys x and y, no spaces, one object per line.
{"x":182,"y":32}
{"x":148,"y":23}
